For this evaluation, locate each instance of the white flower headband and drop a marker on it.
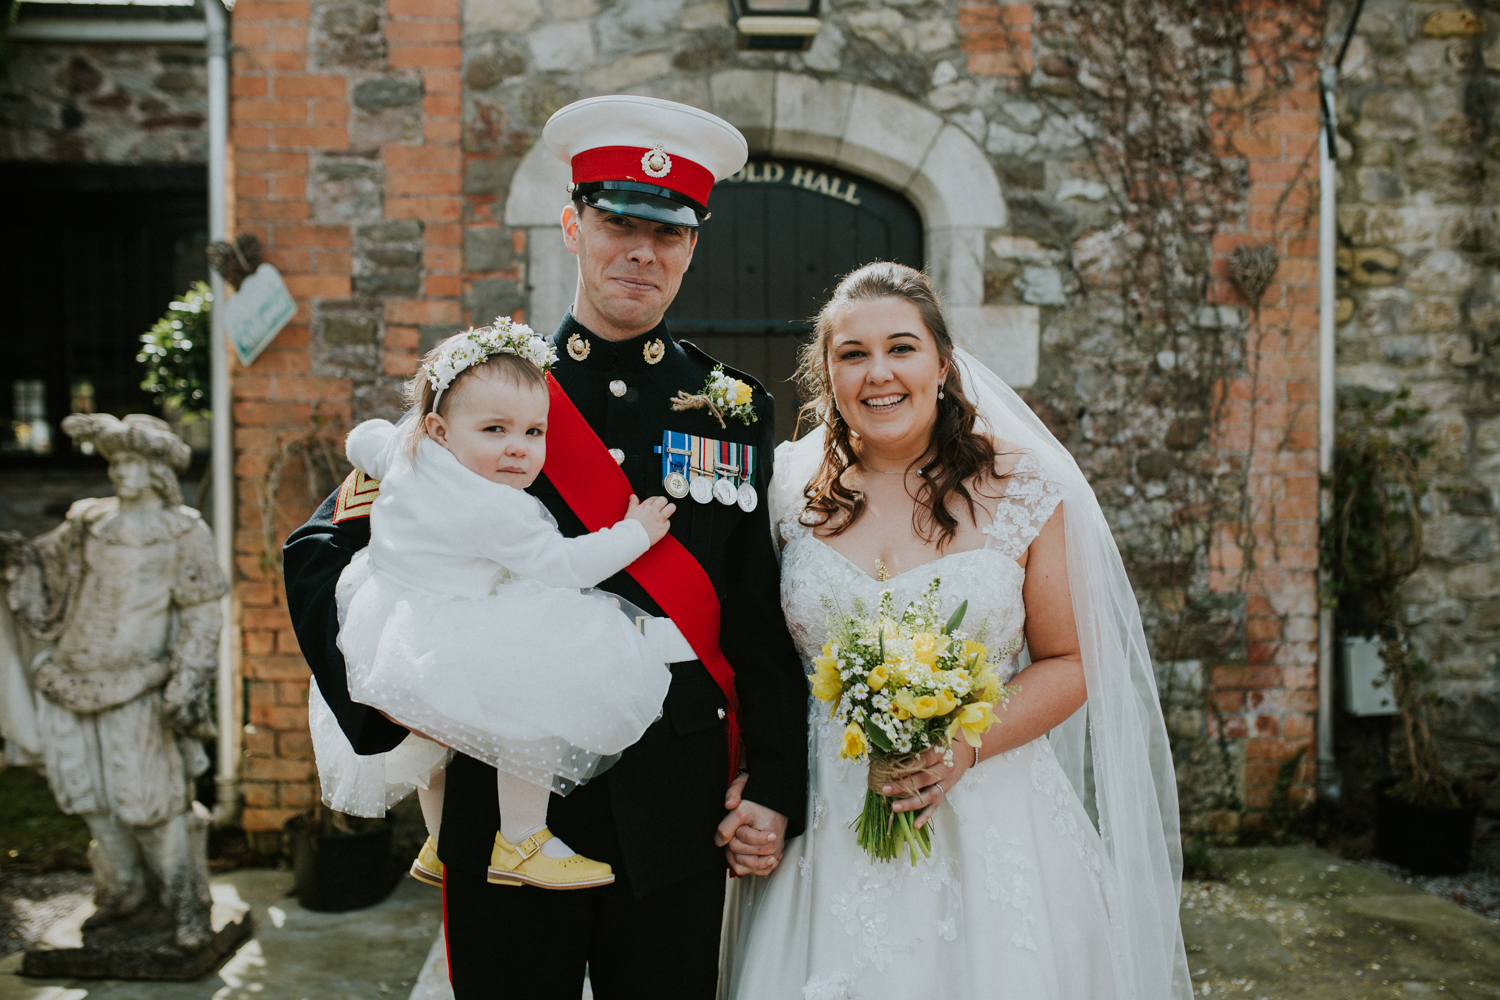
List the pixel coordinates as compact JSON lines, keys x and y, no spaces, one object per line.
{"x":474,"y":346}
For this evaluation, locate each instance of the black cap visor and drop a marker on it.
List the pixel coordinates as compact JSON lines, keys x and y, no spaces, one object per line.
{"x":642,"y":201}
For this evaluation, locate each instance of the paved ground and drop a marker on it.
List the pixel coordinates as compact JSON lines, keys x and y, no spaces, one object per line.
{"x":1297,"y":923}
{"x":1289,"y":923}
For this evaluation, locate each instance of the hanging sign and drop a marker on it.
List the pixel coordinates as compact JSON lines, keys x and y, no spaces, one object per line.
{"x":258,"y":311}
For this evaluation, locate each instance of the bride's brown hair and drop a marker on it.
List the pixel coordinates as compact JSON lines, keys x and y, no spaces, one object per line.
{"x":960,"y":454}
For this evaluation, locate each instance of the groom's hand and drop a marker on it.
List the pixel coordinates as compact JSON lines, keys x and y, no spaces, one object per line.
{"x":752,"y":836}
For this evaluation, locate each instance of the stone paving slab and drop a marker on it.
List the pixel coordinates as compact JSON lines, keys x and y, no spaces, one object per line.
{"x":1298,"y":923}
{"x":296,"y":954}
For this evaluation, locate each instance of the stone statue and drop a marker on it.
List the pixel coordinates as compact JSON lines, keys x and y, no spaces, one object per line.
{"x":128,"y":590}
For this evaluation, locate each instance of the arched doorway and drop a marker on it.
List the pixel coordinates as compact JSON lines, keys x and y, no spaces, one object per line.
{"x":782,"y":234}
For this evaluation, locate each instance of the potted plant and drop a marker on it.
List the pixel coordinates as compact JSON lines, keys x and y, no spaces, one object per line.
{"x":341,"y":862}
{"x":1424,"y":817}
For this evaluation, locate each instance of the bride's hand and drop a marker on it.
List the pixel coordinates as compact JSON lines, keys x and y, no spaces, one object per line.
{"x":927,"y":786}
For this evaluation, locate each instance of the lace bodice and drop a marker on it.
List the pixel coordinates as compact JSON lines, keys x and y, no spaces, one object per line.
{"x":989,"y":578}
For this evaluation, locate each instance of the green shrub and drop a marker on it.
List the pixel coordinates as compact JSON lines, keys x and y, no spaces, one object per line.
{"x":176,"y":354}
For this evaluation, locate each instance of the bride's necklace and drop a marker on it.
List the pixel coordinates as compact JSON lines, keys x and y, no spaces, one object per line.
{"x":896,"y":472}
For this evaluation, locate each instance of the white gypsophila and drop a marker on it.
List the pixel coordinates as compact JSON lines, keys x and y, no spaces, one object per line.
{"x":504,"y":336}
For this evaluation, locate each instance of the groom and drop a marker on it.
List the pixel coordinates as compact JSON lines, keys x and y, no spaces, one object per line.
{"x":642,"y":172}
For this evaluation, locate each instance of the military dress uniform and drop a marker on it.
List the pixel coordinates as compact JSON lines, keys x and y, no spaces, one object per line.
{"x":652,"y":816}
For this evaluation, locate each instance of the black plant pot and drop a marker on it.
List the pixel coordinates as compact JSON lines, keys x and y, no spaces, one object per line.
{"x":1429,"y":840}
{"x":340,"y":871}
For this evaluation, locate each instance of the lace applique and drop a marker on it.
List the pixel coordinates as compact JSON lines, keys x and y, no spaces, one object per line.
{"x":944,"y":878}
{"x":1047,"y":778}
{"x":804,"y":866}
{"x":1023,"y":511}
{"x":820,"y":810}
{"x":1010,"y":887}
{"x":836,"y":987}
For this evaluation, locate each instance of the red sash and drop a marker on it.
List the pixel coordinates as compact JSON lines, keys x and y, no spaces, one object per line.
{"x":595,"y":488}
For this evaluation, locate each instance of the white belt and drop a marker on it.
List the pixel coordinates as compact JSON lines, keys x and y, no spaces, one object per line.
{"x":665,"y":639}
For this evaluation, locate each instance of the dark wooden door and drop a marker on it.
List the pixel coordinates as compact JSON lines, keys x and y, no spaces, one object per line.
{"x":91,"y":257}
{"x":783,"y":233}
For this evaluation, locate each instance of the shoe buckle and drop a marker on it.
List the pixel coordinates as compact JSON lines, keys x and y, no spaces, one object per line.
{"x":528,"y":847}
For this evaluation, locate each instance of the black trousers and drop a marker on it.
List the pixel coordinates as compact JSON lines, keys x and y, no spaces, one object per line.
{"x":533,"y":944}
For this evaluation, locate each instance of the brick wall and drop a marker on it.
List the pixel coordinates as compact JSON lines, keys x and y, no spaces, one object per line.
{"x":345,"y":127}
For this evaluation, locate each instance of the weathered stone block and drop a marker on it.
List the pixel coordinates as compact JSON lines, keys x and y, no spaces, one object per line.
{"x":429,"y":335}
{"x":1393,"y":114}
{"x":340,"y":328}
{"x":488,"y":249}
{"x":491,"y":297}
{"x":627,"y":72}
{"x":1374,"y":266}
{"x":390,"y":231}
{"x":345,"y":188}
{"x":1454,"y":24}
{"x":566,"y":46}
{"x":1475,"y":580}
{"x":381,"y":92}
{"x":509,"y":16}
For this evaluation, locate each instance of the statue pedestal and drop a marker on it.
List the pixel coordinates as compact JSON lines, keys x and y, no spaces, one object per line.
{"x":139,"y":947}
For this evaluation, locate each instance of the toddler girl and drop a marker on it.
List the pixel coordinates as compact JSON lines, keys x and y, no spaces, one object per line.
{"x":464,"y":619}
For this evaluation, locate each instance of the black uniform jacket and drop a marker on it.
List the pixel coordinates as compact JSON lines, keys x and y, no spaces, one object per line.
{"x":653,"y":814}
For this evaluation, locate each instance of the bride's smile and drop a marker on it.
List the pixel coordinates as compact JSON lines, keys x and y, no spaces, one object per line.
{"x":886,"y":372}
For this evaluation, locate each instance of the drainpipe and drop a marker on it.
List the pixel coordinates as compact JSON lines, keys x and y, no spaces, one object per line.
{"x":1328,"y":778}
{"x":227,"y":780}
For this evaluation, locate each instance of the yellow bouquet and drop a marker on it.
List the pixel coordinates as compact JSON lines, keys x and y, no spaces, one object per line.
{"x":900,"y":684}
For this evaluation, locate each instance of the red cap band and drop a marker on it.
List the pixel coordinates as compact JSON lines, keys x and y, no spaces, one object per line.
{"x":629,"y":163}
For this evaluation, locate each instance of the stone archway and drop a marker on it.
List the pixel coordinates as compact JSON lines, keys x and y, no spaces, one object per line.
{"x":861,"y":129}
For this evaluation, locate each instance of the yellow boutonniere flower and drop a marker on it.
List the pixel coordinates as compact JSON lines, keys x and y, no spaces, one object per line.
{"x":854,"y":745}
{"x":974,"y":720}
{"x":741,"y":393}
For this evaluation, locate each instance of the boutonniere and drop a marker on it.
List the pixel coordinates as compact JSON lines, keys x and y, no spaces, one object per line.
{"x":720,"y":395}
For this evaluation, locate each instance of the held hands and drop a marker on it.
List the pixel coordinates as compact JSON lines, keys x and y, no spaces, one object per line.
{"x":654,"y":514}
{"x":927,"y":787}
{"x":752,"y":836}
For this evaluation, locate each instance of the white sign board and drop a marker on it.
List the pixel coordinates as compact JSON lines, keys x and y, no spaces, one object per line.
{"x":258,"y":311}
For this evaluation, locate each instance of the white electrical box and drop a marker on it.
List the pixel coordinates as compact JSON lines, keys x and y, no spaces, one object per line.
{"x":1366,"y":690}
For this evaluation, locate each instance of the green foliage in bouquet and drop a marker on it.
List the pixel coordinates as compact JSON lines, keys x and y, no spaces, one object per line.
{"x":901,"y":684}
{"x":175,"y":352}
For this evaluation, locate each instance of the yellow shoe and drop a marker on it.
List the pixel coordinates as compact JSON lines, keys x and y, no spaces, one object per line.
{"x":525,"y":864}
{"x":427,"y":868}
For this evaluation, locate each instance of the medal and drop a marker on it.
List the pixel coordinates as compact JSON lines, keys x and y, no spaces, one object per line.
{"x":724,"y":491}
{"x":727,"y":473}
{"x":675,"y":449}
{"x":702,"y":489}
{"x":617,"y":388}
{"x":747,"y":498}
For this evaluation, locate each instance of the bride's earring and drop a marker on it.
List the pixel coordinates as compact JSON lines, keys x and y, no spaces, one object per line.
{"x":940,"y":390}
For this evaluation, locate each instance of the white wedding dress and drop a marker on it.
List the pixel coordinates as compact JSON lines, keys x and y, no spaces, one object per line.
{"x":1014,"y":901}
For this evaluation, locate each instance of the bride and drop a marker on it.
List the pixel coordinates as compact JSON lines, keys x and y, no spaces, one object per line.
{"x":925,"y":465}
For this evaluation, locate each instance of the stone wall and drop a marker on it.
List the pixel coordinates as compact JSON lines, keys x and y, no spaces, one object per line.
{"x":1419,"y":308}
{"x":125,"y":104}
{"x":389,"y":162}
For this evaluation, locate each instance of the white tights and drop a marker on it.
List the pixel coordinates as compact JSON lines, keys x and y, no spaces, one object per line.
{"x":523,"y":810}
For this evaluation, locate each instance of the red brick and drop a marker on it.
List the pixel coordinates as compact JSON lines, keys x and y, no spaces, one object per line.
{"x":396,"y":9}
{"x":442,"y":285}
{"x":251,"y":186}
{"x":269,"y":60}
{"x":276,"y":211}
{"x":312,"y":136}
{"x":259,"y":642}
{"x":442,"y":81}
{"x":267,"y":820}
{"x":1297,"y":726}
{"x":999,"y":64}
{"x":442,"y":130}
{"x":249,"y":161}
{"x":289,"y":185}
{"x":435,"y":209}
{"x":442,"y":259}
{"x":249,"y":85}
{"x":249,"y":136}
{"x":289,"y":36}
{"x":442,"y":105}
{"x":402,"y":182}
{"x":419,"y":311}
{"x":423,"y":158}
{"x":276,"y":769}
{"x":1267,"y":725}
{"x":399,"y":31}
{"x":333,"y":286}
{"x":320,"y":236}
{"x":276,"y":668}
{"x":398,"y":364}
{"x":310,"y":85}
{"x":440,"y":56}
{"x":447,"y":235}
{"x":258,"y":794}
{"x":270,"y":10}
{"x":302,"y":794}
{"x":247,"y":34}
{"x":330,"y":111}
{"x":402,"y":338}
{"x":297,"y":746}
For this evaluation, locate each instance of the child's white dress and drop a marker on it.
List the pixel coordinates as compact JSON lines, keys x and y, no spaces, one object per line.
{"x":463,"y":619}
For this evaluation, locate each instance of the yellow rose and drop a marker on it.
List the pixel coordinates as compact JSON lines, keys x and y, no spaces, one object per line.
{"x":741,"y":393}
{"x":878,"y":677}
{"x":974,"y":720}
{"x":854,"y":745}
{"x":945,"y":703}
{"x":924,"y":647}
{"x":924,"y":706}
{"x":903,"y":706}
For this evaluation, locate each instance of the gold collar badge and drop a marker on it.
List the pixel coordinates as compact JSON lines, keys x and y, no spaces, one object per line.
{"x":654,"y":351}
{"x":578,"y":348}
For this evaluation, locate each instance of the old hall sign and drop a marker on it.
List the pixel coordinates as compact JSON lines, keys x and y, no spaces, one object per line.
{"x":810,"y":177}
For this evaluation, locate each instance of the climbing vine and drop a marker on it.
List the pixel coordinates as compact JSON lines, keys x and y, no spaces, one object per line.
{"x":1160,"y":93}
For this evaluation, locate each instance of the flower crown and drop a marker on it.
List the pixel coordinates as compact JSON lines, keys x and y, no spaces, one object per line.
{"x":478,"y":344}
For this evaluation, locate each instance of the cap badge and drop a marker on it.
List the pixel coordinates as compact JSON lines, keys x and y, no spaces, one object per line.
{"x":656,"y":162}
{"x":578,"y":348}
